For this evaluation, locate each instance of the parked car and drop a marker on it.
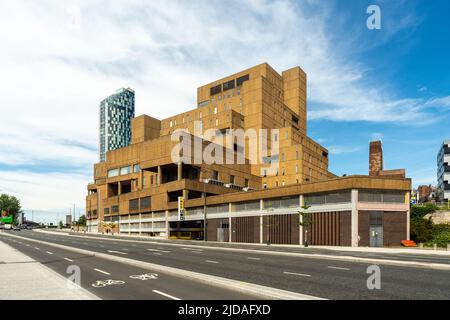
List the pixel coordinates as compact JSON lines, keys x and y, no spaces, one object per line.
{"x":16,"y":229}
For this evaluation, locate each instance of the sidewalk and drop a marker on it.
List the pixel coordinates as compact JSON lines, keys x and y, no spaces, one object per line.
{"x":22,"y":278}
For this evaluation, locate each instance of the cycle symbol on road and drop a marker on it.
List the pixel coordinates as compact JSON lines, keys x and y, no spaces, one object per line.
{"x":145,"y":276}
{"x":104,"y":283}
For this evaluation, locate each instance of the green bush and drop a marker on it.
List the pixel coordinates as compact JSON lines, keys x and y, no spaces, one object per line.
{"x":421,"y":230}
{"x":442,"y":239}
{"x":420,"y":211}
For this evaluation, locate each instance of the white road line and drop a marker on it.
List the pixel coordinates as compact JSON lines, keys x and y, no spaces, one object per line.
{"x":253,"y":258}
{"x":125,"y":249}
{"x":101,"y":246}
{"x":49,"y":252}
{"x":211,"y":261}
{"x":28,"y":245}
{"x":67,"y":259}
{"x":192,"y":249}
{"x":157,"y":253}
{"x":196,"y":252}
{"x":338,"y":268}
{"x":297,"y":274}
{"x":36,"y":248}
{"x":113,"y":251}
{"x":101,"y":271}
{"x":166,"y":295}
{"x":156,"y":250}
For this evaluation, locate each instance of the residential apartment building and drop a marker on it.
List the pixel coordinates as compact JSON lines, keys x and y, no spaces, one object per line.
{"x":443,"y":171}
{"x":116,"y":112}
{"x":138,"y":187}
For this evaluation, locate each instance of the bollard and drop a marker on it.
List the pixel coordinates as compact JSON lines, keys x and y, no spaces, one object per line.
{"x":434,"y":246}
{"x":448,"y":247}
{"x":420,"y":245}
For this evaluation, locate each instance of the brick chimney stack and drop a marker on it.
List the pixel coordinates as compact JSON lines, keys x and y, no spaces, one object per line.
{"x":375,"y":158}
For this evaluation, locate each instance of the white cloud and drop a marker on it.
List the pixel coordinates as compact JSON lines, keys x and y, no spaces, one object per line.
{"x":343,"y":149}
{"x":58,"y":61}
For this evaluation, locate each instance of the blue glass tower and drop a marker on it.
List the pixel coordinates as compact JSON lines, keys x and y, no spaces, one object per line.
{"x":116,"y":112}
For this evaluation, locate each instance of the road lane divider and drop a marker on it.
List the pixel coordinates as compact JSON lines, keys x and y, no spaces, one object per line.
{"x":166,"y":295}
{"x":220,"y":282}
{"x":338,"y":268}
{"x":297,"y":274}
{"x":101,"y":271}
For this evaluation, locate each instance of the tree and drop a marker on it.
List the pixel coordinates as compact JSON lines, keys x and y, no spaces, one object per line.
{"x":10,"y":204}
{"x":82,"y":220}
{"x":60,"y":224}
{"x":305,"y":220}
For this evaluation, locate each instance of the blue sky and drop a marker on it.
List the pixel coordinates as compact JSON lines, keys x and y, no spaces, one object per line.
{"x":60,"y":60}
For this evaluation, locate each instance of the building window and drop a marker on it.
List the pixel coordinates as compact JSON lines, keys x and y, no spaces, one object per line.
{"x":246,"y":183}
{"x":136,"y":168}
{"x":232,"y":179}
{"x":215,"y":110}
{"x":170,"y":124}
{"x":241,"y":80}
{"x":145,"y":203}
{"x":134,"y":205}
{"x":296,"y":155}
{"x":215,"y":90}
{"x":113,"y":173}
{"x":215,"y":175}
{"x":228,"y":85}
{"x":296,"y":168}
{"x":125,"y":170}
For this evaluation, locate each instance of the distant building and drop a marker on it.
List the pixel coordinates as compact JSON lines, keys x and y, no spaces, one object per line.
{"x":443,"y":171}
{"x":68,"y":220}
{"x":425,"y":194}
{"x":116,"y":113}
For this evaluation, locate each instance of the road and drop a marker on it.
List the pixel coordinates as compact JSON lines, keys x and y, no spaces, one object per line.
{"x":330,"y":279}
{"x":145,"y":284}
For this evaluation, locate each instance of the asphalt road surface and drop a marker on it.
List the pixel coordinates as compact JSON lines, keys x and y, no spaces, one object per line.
{"x":113,"y":280}
{"x":330,"y":279}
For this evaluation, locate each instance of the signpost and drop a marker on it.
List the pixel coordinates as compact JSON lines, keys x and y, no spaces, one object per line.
{"x":180,"y":208}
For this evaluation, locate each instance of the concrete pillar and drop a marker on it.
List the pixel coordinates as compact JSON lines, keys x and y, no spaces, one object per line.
{"x":261,"y":221}
{"x":300,"y":227}
{"x":179,"y":171}
{"x":119,"y":188}
{"x":354,"y":220}
{"x":159,"y":176}
{"x":230,"y":231}
{"x":167,"y":223}
{"x":185,"y":194}
{"x":141,"y":179}
{"x":408,"y":218}
{"x":140,"y":223}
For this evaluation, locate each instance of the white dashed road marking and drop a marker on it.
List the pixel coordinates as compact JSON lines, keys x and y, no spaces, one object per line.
{"x":338,"y":268}
{"x":166,"y":295}
{"x":67,"y":259}
{"x":49,"y":252}
{"x":211,"y":261}
{"x":101,"y":271}
{"x":297,"y":274}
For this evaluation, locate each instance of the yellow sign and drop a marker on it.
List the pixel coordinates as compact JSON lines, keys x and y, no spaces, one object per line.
{"x":181,"y":208}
